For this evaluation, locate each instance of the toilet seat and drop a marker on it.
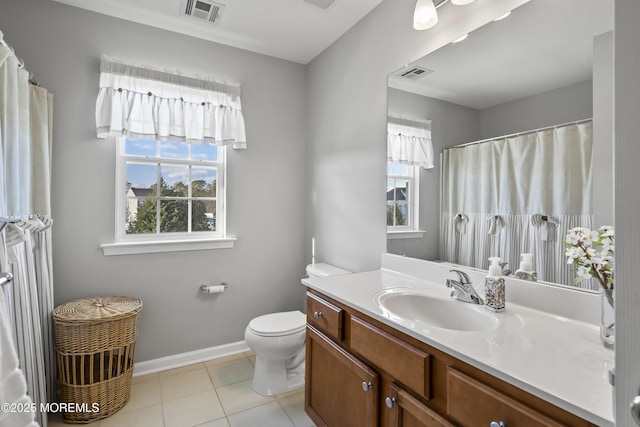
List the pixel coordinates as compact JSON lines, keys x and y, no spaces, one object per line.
{"x":278,"y":324}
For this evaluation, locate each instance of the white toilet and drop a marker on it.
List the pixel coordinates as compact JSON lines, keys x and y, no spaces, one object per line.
{"x":278,"y":340}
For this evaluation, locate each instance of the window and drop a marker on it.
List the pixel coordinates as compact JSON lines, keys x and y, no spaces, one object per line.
{"x":169,"y":190}
{"x":170,"y":195}
{"x":402,"y":197}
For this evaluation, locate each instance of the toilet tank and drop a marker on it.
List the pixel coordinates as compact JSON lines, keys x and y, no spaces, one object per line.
{"x":325,"y":270}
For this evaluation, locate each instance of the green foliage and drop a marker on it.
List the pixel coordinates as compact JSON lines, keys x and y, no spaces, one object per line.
{"x":395,"y":211}
{"x":145,"y":221}
{"x":174,"y":213}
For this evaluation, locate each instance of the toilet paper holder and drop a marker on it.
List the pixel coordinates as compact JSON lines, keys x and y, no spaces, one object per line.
{"x":211,"y":289}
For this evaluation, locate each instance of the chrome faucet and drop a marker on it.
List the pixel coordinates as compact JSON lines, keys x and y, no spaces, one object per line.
{"x":463,"y":289}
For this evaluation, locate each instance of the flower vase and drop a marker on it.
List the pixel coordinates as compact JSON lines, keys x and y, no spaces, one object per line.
{"x":607,"y":319}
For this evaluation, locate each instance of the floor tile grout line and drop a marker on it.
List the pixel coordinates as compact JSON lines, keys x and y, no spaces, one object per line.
{"x":225,"y":414}
{"x":286,"y":412}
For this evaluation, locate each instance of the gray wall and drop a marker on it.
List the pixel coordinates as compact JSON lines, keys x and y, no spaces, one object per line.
{"x":603,"y":187}
{"x":62,"y":45}
{"x":562,"y":105}
{"x":347,"y":93}
{"x":451,"y":124}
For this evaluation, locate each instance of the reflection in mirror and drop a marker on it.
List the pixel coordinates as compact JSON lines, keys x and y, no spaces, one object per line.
{"x":527,"y":102}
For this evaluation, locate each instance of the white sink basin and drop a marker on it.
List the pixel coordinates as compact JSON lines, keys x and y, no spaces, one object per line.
{"x":418,"y":307}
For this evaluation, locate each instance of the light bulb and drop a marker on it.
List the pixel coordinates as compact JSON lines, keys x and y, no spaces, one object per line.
{"x":425,"y":15}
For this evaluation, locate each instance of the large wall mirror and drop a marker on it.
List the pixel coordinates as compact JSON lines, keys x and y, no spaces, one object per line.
{"x":536,"y":85}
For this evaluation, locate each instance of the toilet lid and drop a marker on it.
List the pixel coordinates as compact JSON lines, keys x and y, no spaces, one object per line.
{"x":278,"y":324}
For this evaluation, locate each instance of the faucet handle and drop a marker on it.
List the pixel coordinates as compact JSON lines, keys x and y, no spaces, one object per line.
{"x":464,"y":278}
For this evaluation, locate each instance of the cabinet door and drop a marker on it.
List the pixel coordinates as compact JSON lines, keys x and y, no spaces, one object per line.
{"x":341,"y":391}
{"x":407,"y":411}
{"x":471,"y":402}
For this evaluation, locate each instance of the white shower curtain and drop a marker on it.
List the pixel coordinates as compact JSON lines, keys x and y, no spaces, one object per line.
{"x":519,"y":194}
{"x":25,"y":240}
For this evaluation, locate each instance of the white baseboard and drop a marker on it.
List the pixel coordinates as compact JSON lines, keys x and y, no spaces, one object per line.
{"x":188,"y":358}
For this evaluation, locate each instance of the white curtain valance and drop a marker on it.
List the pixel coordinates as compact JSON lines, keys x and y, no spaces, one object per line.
{"x":150,"y":104}
{"x":409,"y":142}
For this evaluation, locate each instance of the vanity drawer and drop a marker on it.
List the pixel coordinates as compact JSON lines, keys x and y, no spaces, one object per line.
{"x":325,"y":316}
{"x":470,"y":402}
{"x":407,"y":364}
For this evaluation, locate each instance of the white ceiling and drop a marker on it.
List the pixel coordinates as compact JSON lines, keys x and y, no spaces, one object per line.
{"x":287,"y":29}
{"x":542,"y":45}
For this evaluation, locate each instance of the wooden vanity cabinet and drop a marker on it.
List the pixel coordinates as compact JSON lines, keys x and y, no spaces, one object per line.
{"x":488,"y":404}
{"x":340,"y":389}
{"x":405,"y":410}
{"x":361,"y":372}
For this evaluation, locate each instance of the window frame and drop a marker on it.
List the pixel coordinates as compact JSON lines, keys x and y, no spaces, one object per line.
{"x":413,"y":202}
{"x":172,"y":241}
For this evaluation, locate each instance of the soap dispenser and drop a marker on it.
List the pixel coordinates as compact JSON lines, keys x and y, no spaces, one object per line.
{"x":494,"y":287}
{"x":525,"y":271}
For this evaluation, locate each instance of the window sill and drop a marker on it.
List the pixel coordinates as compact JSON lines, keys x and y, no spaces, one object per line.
{"x":158,"y":246}
{"x":409,"y":234}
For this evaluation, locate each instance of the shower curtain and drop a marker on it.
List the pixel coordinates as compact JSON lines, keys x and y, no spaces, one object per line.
{"x":515,"y":195}
{"x":26,"y":304}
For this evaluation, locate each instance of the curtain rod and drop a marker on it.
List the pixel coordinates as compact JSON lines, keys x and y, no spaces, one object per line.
{"x":495,"y":138}
{"x":20,"y":61}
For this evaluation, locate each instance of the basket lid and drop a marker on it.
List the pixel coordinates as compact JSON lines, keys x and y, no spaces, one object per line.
{"x":98,"y":308}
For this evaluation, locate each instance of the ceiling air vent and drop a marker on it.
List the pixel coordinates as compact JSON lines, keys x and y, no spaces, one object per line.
{"x":413,"y":73}
{"x":203,"y":9}
{"x":321,"y":4}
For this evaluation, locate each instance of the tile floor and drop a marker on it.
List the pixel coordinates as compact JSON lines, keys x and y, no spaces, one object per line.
{"x":216,"y":393}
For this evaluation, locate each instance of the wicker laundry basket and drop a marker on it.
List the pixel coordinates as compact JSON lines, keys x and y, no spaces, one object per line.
{"x":95,"y":348}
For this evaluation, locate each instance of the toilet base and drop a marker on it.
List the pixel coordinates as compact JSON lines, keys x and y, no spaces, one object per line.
{"x":270,"y":378}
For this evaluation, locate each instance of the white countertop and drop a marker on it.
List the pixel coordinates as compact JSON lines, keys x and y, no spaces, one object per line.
{"x":555,"y":358}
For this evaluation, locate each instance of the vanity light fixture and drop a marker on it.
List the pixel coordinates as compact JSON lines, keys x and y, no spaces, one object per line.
{"x":425,"y":15}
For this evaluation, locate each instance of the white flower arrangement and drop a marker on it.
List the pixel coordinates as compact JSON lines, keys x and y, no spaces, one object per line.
{"x":593,"y":253}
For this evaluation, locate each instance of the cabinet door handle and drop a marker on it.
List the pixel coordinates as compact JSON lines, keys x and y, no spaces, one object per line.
{"x":317,"y":314}
{"x":366,"y":386}
{"x":390,"y":402}
{"x":497,"y":424}
{"x":635,"y":409}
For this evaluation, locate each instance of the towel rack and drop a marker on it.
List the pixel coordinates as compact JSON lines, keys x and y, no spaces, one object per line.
{"x":5,"y":278}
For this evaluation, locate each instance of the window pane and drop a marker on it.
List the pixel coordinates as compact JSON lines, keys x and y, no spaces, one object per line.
{"x":402,"y":188}
{"x":140,"y":147}
{"x":174,"y":181}
{"x":391,"y":184}
{"x":203,"y":215}
{"x":204,"y":151}
{"x":390,"y":215}
{"x":203,"y":182}
{"x":174,"y":216}
{"x":141,"y":179}
{"x":402,"y":217}
{"x":397,"y":189}
{"x":397,"y":169}
{"x":141,"y":216}
{"x":174,"y":150}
